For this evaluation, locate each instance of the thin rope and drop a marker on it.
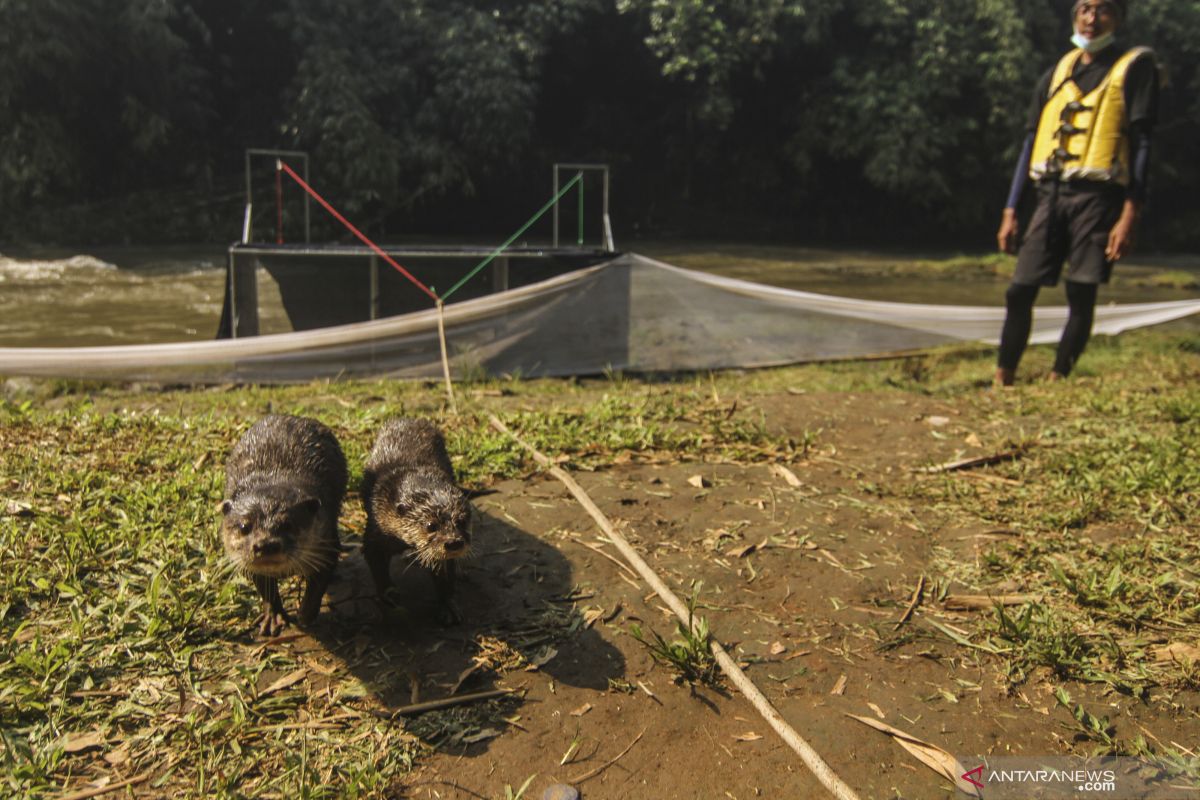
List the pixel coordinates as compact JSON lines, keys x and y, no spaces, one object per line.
{"x":491,"y":257}
{"x":362,"y":237}
{"x":817,"y":765}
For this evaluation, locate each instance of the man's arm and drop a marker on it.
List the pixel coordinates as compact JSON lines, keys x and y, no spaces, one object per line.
{"x":1006,"y":237}
{"x":1123,"y":234}
{"x":1141,"y":103}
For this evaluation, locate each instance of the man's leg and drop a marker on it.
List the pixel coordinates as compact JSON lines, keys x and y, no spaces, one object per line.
{"x":1039,"y":263}
{"x":1081,"y":299}
{"x":1014,"y":336}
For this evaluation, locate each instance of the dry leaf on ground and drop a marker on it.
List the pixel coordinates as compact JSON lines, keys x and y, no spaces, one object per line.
{"x":291,"y":679}
{"x":741,"y":551}
{"x":928,"y":754}
{"x":788,"y":476}
{"x":78,"y":742}
{"x":1176,"y":651}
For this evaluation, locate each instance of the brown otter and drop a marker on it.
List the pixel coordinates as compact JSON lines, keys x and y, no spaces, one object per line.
{"x":414,"y":507}
{"x":284,"y":484}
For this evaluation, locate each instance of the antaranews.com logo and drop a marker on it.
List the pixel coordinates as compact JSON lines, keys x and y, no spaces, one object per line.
{"x":1022,"y":777}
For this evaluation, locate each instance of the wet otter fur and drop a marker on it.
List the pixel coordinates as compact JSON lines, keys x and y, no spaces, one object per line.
{"x":414,"y":508}
{"x":284,"y":484}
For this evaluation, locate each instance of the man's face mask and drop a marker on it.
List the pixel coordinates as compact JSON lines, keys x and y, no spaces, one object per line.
{"x":1092,"y":45}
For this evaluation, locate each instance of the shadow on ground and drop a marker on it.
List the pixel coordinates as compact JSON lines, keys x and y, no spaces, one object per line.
{"x":515,"y":596}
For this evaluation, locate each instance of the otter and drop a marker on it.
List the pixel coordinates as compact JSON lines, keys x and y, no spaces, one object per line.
{"x":284,"y":483}
{"x":414,"y":507}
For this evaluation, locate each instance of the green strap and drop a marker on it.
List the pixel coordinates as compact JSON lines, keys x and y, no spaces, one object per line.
{"x":578,"y":177}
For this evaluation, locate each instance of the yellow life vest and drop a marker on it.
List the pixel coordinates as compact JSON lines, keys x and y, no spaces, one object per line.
{"x":1084,"y":137}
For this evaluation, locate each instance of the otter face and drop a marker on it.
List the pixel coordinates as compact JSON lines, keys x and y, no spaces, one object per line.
{"x":274,"y":532}
{"x":431,"y":517}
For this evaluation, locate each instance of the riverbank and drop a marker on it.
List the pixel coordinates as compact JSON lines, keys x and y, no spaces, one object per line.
{"x":802,"y":507}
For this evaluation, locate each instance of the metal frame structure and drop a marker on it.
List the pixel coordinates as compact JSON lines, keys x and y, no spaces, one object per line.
{"x":241,"y":265}
{"x":276,"y":154}
{"x":601,"y":168}
{"x":242,"y":257}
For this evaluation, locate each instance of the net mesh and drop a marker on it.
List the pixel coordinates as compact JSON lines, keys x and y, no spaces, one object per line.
{"x":631,"y":313}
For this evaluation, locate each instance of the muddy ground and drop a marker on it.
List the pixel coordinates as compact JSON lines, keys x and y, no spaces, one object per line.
{"x":806,"y":584}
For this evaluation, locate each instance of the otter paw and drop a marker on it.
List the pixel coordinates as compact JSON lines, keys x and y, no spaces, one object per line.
{"x":271,"y":623}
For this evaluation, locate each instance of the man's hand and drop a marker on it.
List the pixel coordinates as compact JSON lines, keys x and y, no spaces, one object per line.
{"x":1006,"y":237}
{"x":1121,"y":237}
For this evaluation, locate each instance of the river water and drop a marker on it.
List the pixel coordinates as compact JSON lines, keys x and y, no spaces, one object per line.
{"x":113,"y":296}
{"x":110,"y":297}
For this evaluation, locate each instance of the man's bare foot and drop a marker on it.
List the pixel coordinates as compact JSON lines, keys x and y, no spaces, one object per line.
{"x":1004,"y":377}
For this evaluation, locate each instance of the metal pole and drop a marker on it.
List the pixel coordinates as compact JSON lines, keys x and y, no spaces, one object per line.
{"x":307,"y":228}
{"x":278,"y":202}
{"x":500,"y":274}
{"x":608,"y":238}
{"x":555,"y":194}
{"x":579,"y":232}
{"x":247,"y":225}
{"x":233,"y":315}
{"x":249,"y":198}
{"x":373,"y":263}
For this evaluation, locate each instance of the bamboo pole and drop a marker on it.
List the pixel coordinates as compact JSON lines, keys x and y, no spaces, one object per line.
{"x":822,"y":771}
{"x":441,"y":319}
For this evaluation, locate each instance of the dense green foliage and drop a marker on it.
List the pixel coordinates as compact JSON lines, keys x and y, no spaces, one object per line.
{"x":793,"y":118}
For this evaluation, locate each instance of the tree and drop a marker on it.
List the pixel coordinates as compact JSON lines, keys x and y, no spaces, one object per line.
{"x":94,"y":94}
{"x":412,"y":98}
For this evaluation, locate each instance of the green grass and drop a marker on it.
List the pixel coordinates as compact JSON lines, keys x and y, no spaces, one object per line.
{"x":1104,"y":498}
{"x":119,"y":614}
{"x":688,"y":654}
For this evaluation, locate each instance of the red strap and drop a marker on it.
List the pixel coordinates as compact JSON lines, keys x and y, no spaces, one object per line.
{"x":356,"y":231}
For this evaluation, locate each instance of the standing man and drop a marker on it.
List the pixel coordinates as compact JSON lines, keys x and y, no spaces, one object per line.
{"x":1087,"y":150}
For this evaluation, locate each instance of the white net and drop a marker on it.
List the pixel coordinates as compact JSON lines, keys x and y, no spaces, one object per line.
{"x":631,"y":313}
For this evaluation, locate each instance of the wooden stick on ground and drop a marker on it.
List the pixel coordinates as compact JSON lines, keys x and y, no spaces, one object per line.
{"x":828,"y":778}
{"x":112,"y":787}
{"x":913,"y":603}
{"x":594,"y":772}
{"x":446,"y":702}
{"x":986,"y":602}
{"x":441,"y":316}
{"x":979,"y":461}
